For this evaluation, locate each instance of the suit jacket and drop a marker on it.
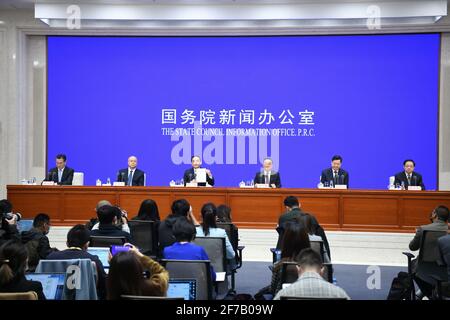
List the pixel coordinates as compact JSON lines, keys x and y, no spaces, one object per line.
{"x":274,"y":179}
{"x":444,"y":249}
{"x":438,"y":225}
{"x":66,"y":178}
{"x":23,"y":285}
{"x":327,"y":176}
{"x":138,"y":177}
{"x":416,"y":179}
{"x":189,"y":175}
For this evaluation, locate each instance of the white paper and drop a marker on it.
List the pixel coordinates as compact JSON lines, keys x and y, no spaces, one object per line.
{"x":201,"y":175}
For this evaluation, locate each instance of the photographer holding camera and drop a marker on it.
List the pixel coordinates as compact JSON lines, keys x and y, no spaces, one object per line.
{"x":8,"y":228}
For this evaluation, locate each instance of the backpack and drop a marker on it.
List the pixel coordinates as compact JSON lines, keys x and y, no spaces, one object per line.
{"x":401,"y":287}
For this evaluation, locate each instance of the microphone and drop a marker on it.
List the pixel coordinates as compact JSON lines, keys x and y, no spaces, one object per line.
{"x":122,"y":176}
{"x":414,"y":179}
{"x":341,"y":179}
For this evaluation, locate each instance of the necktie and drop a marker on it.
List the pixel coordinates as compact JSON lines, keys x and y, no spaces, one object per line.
{"x":59,"y":175}
{"x":130,"y":178}
{"x":336,"y":178}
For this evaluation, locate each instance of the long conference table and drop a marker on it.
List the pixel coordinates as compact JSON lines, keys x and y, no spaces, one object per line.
{"x":347,"y":210}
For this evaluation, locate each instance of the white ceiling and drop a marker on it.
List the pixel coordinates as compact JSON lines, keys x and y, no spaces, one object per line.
{"x":29,"y":4}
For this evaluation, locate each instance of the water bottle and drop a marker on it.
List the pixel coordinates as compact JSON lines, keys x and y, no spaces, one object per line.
{"x":98,"y":182}
{"x":403,"y":185}
{"x":108,"y":181}
{"x":331,"y":184}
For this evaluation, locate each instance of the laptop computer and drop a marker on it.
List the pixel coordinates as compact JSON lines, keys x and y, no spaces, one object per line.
{"x":184,"y":288}
{"x":52,"y":284}
{"x":102,"y":253}
{"x":24,"y":225}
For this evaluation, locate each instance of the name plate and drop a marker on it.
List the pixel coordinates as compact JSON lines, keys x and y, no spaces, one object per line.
{"x":262,"y":185}
{"x":119,"y":184}
{"x":192,"y":184}
{"x":340,"y":186}
{"x":415,"y":188}
{"x":49,"y":183}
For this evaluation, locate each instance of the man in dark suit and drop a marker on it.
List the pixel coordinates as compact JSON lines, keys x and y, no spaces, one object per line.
{"x":61,"y":174}
{"x":439,"y":222}
{"x":132,"y":176}
{"x":190,"y":175}
{"x":267,"y":176}
{"x":409,"y":177}
{"x":335,"y":174}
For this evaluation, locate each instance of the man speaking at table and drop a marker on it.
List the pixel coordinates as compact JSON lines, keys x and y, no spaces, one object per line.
{"x":61,"y":174}
{"x":132,"y":176}
{"x":335,"y":174}
{"x":408,"y":177}
{"x":191,"y":174}
{"x":267,"y":175}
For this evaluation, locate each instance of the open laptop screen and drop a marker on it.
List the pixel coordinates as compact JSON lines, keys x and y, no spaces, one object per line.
{"x":185,"y":288}
{"x":102,"y":253}
{"x":52,"y":284}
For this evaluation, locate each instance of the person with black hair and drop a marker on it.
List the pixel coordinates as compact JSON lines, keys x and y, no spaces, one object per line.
{"x":224,"y":214}
{"x":13,"y":264}
{"x":77,"y":244}
{"x":294,"y":212}
{"x":335,"y":174}
{"x":208,"y":228}
{"x":408,"y":177}
{"x":121,"y":218}
{"x":61,"y":174}
{"x":295,"y":239}
{"x":305,"y":221}
{"x":36,"y":240}
{"x":183,"y":249}
{"x":107,"y":217}
{"x":191,"y":174}
{"x":148,"y":211}
{"x":126,"y":276}
{"x":8,"y":227}
{"x":310,"y":283}
{"x":439,"y":222}
{"x":179,"y":208}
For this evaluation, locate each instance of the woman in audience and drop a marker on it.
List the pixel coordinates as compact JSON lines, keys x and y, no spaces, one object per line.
{"x":306,"y":221}
{"x":13,"y":264}
{"x":126,"y":276}
{"x":148,"y":211}
{"x":209,"y":228}
{"x":183,"y":249}
{"x":294,"y":240}
{"x":224,"y":214}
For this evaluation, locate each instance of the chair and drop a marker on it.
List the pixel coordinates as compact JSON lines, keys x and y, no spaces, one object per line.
{"x":429,"y":263}
{"x":84,"y":282}
{"x":129,"y":297}
{"x":144,"y":236}
{"x":100,"y":241}
{"x":30,"y":295}
{"x":233,"y":236}
{"x":289,"y":273}
{"x":215,"y":248}
{"x":192,"y":269}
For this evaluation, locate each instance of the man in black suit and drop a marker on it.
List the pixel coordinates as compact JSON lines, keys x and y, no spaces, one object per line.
{"x":132,"y":176}
{"x":335,"y":174}
{"x":409,"y":177}
{"x":61,"y":174}
{"x":191,"y":174}
{"x":267,"y":176}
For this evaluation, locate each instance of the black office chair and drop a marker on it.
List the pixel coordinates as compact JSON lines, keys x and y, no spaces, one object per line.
{"x":144,"y":236}
{"x":100,"y":241}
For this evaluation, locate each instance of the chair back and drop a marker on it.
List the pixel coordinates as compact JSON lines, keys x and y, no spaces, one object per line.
{"x":143,"y":233}
{"x":192,"y":269}
{"x":215,"y":248}
{"x":30,"y":295}
{"x":101,"y":241}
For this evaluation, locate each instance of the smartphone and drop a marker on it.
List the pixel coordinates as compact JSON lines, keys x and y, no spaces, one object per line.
{"x":117,"y":249}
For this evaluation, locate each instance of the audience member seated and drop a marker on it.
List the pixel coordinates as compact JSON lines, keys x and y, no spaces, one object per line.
{"x":444,"y":249}
{"x":148,"y":211}
{"x":107,"y":217}
{"x":439,"y":222}
{"x":293,"y":211}
{"x":224,"y":214}
{"x":36,"y":240}
{"x":126,"y":276}
{"x":8,"y":227}
{"x":13,"y":264}
{"x":180,"y":208}
{"x":306,"y":221}
{"x":183,"y":249}
{"x":295,"y":239}
{"x":208,"y":228}
{"x":310,"y":283}
{"x":121,"y":215}
{"x":77,"y":245}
